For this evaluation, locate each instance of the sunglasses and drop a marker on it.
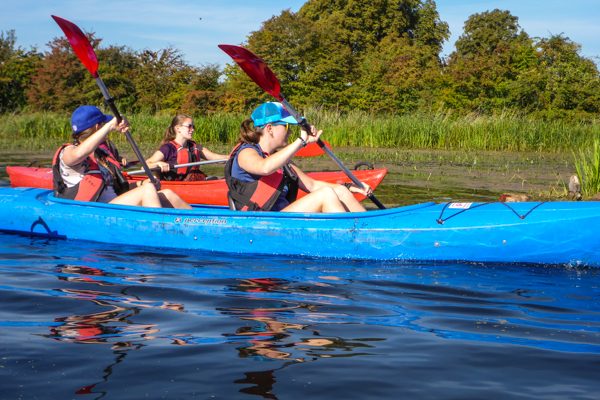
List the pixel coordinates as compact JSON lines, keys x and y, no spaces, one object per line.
{"x":189,"y":126}
{"x":286,"y":124}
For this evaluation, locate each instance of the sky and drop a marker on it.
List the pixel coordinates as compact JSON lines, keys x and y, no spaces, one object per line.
{"x":197,"y":27}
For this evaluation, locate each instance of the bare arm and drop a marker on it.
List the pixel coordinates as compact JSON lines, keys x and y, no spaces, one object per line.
{"x":209,"y":155}
{"x":157,"y":160}
{"x":253,"y":163}
{"x":309,"y":184}
{"x":74,"y":155}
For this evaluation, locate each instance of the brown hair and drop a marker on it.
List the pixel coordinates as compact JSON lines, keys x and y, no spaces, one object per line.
{"x":78,"y":137}
{"x":249,"y":133}
{"x":170,"y":132}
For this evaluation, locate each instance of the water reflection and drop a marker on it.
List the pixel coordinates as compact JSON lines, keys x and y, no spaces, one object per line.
{"x":114,"y":320}
{"x":267,"y":335}
{"x":112,"y":325}
{"x":106,"y":374}
{"x":271,"y":316}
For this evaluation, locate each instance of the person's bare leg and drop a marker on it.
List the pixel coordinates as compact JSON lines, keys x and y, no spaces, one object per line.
{"x":323,"y":200}
{"x":144,"y":195}
{"x":348,"y":199}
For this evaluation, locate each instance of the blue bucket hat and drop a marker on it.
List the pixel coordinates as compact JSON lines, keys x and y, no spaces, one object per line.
{"x":85,"y":117}
{"x":272,"y":112}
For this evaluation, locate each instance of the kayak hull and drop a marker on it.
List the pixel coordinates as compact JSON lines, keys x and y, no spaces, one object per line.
{"x":196,"y":192}
{"x":544,"y":233}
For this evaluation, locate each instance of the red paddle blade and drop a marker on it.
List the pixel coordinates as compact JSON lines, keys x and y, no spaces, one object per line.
{"x":255,"y":68}
{"x":312,"y":150}
{"x":80,"y":44}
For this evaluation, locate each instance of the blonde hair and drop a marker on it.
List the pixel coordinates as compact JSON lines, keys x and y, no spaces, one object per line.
{"x":170,"y":132}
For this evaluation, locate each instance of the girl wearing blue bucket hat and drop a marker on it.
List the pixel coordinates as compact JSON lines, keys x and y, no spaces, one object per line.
{"x":261,"y":177}
{"x":88,"y":170}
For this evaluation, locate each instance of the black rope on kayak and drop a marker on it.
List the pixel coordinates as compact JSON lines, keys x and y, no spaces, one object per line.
{"x":441,"y":220}
{"x":524,"y":215}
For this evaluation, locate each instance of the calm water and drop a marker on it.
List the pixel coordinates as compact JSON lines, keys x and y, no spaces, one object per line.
{"x":88,"y":321}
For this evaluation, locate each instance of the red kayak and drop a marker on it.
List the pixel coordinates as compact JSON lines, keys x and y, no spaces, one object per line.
{"x":197,"y":192}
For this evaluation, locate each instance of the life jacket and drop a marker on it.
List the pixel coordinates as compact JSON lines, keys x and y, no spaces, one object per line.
{"x":189,"y":153}
{"x":261,"y":194}
{"x":91,"y":185}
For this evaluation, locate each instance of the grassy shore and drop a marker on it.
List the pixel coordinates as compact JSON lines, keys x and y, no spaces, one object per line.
{"x":507,"y":132}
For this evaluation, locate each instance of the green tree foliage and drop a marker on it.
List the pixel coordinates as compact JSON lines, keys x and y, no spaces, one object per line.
{"x":204,"y":91}
{"x":325,"y":54}
{"x":117,"y":67}
{"x":402,"y":73}
{"x":490,"y":54}
{"x":61,"y":82}
{"x":161,"y":80}
{"x":288,"y":45}
{"x":562,"y":83}
{"x":17,"y":67}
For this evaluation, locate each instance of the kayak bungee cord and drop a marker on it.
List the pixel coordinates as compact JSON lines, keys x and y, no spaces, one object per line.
{"x":441,"y":220}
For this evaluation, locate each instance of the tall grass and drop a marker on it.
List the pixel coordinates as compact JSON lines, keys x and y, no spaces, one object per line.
{"x":587,"y":166}
{"x":46,"y":131}
{"x":506,"y":132}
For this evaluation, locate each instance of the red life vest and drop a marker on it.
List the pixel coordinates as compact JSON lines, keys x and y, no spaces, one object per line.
{"x":189,"y":153}
{"x":259,"y":195}
{"x":92,"y":184}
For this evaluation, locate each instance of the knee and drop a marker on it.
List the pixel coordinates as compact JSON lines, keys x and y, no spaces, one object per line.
{"x":167,"y":192}
{"x":328,"y":193}
{"x":342,"y":191}
{"x":148,"y":187}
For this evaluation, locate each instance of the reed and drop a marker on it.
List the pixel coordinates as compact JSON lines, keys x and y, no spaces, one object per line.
{"x":504,"y":132}
{"x":436,"y":131}
{"x":587,"y":166}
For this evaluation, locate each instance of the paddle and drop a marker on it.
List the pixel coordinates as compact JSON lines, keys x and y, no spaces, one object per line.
{"x":262,"y":75}
{"x":312,"y":150}
{"x":84,"y":51}
{"x":191,"y":164}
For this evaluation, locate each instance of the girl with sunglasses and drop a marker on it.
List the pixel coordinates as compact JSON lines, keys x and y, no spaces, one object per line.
{"x":261,"y":177}
{"x":178,"y":147}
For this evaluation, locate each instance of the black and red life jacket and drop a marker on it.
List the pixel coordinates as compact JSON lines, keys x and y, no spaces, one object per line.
{"x":261,"y":194}
{"x":93,"y":182}
{"x":189,"y":153}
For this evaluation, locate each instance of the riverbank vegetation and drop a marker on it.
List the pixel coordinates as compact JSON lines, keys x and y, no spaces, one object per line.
{"x":504,"y":132}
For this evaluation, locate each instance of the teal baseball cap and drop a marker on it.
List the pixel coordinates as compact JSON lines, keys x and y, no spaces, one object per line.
{"x":270,"y":113}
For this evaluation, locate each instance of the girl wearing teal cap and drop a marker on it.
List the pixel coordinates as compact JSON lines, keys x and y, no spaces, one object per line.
{"x":260,"y":175}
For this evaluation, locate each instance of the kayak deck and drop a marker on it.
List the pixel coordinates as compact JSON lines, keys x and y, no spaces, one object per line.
{"x":547,"y":233}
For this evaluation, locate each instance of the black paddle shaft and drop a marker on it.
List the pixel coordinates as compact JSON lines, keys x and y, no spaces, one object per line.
{"x":306,"y":126}
{"x":110,"y":102}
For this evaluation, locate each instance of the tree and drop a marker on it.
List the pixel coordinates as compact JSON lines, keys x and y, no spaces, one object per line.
{"x":287,"y":43}
{"x":118,"y":68}
{"x":204,"y":92}
{"x":60,"y":81}
{"x":401,"y":73}
{"x":162,"y":80}
{"x":489,"y":56}
{"x":17,"y":67}
{"x":562,"y":83}
{"x":321,"y":53}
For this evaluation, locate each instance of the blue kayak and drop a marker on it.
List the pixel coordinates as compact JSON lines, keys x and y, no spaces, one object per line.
{"x":528,"y":232}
